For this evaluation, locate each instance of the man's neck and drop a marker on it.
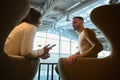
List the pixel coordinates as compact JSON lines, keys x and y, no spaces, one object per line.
{"x":80,"y":30}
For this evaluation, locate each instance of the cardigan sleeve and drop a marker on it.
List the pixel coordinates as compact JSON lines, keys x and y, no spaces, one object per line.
{"x":27,"y":43}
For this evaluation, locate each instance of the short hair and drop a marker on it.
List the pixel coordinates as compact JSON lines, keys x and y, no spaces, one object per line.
{"x":32,"y":16}
{"x":79,"y":17}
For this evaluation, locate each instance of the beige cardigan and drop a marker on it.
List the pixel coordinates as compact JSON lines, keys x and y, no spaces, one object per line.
{"x":20,"y":41}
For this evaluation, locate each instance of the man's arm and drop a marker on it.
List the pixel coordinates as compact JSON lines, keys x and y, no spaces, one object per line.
{"x":90,"y":36}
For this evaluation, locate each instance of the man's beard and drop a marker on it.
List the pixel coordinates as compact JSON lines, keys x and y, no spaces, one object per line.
{"x":76,"y":28}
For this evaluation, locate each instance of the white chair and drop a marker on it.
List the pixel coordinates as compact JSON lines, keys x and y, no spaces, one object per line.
{"x":106,"y":18}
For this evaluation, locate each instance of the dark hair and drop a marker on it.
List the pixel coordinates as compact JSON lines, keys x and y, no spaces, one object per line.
{"x":79,"y":17}
{"x":32,"y":16}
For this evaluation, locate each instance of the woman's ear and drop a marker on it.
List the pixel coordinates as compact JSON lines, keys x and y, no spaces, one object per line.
{"x":39,"y":21}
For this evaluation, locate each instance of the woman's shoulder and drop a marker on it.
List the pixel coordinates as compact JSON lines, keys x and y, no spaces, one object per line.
{"x":26,"y":25}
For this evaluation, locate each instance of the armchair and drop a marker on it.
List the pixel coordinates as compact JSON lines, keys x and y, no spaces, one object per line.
{"x":14,"y":67}
{"x":106,"y":18}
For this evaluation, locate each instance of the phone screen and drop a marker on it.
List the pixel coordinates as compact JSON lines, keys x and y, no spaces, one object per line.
{"x":51,"y":46}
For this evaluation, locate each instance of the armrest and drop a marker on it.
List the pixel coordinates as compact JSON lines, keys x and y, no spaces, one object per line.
{"x":85,"y":69}
{"x":19,"y":67}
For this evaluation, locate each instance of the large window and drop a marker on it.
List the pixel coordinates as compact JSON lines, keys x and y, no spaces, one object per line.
{"x":63,"y":45}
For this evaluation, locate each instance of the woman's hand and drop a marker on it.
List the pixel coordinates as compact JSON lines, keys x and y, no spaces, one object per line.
{"x":45,"y":56}
{"x":46,"y":52}
{"x":46,"y":49}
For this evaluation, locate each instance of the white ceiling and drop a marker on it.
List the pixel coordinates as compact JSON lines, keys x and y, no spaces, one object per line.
{"x":55,"y":11}
{"x":57,"y":15}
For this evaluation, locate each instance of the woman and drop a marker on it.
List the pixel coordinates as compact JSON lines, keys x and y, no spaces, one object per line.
{"x":20,"y":40}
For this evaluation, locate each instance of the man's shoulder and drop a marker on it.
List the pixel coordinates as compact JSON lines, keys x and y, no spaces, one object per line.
{"x":88,"y":30}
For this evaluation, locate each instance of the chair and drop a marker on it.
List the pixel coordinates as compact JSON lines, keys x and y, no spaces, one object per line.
{"x":14,"y":67}
{"x":106,"y":18}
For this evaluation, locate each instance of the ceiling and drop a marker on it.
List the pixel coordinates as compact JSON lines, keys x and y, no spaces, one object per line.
{"x":55,"y":11}
{"x":57,"y":15}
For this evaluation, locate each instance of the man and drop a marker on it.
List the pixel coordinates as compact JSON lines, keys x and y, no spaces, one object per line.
{"x":89,"y":45}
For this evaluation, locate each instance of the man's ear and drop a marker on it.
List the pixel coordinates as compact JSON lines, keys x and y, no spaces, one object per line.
{"x":82,"y":22}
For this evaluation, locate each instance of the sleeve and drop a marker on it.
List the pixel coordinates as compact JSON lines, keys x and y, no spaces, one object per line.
{"x":27,"y":43}
{"x":93,"y":40}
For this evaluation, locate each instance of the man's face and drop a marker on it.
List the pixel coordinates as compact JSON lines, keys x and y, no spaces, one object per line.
{"x":76,"y":23}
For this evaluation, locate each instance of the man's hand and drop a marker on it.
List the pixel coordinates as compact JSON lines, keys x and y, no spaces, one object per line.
{"x":72,"y":58}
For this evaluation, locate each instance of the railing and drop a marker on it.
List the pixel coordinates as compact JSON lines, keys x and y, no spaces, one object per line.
{"x":48,"y":76}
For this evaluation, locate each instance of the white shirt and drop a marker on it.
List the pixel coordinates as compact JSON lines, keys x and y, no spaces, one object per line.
{"x":20,"y":41}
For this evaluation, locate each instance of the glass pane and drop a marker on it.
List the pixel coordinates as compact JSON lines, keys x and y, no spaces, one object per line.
{"x":56,"y":48}
{"x":39,"y":43}
{"x":52,"y":36}
{"x":65,"y":47}
{"x":74,"y":47}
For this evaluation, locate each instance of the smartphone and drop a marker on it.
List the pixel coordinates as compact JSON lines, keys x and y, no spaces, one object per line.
{"x":51,"y":46}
